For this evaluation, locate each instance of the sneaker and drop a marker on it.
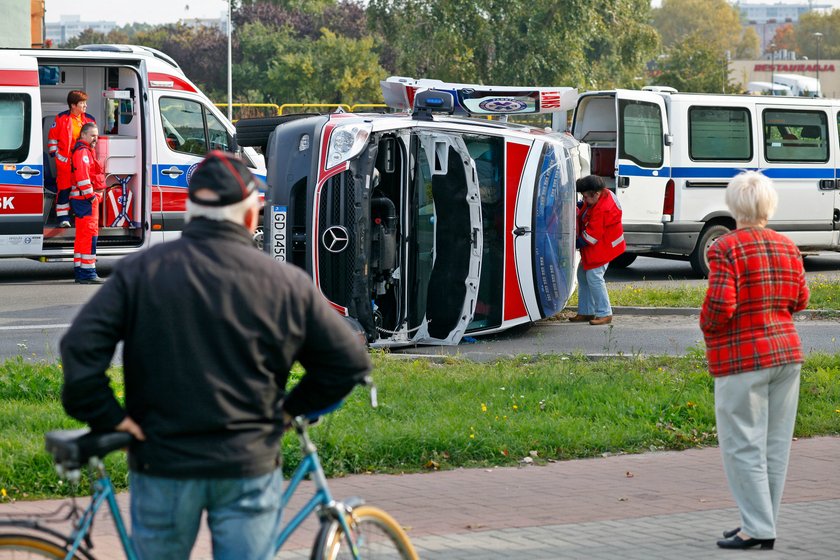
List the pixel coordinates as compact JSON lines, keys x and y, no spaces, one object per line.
{"x":581,"y":318}
{"x":64,"y":224}
{"x":606,"y":320}
{"x":94,"y":280}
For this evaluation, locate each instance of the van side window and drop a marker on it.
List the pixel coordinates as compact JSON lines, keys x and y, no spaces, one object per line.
{"x":795,"y":135}
{"x":719,"y":133}
{"x":190,"y":128}
{"x":15,"y":117}
{"x":640,"y":132}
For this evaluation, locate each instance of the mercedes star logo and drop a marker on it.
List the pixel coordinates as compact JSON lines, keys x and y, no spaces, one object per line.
{"x":335,"y":239}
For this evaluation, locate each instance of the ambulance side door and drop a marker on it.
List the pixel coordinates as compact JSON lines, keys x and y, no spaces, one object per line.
{"x":644,"y":164}
{"x":21,"y":158}
{"x":185,"y":128}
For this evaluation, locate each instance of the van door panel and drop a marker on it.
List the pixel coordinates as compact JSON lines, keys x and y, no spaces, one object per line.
{"x":796,"y":154}
{"x":643,"y":162}
{"x":22,"y":211}
{"x":452,"y":287}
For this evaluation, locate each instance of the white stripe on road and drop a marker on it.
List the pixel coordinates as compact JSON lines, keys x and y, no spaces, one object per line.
{"x":35,"y":327}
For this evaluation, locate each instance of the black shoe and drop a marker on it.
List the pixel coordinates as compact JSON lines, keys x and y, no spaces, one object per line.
{"x":737,"y":542}
{"x":94,"y":280}
{"x":732,"y":533}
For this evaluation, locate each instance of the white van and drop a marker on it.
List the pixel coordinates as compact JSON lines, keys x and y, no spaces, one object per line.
{"x":670,"y":155}
{"x":155,"y":126}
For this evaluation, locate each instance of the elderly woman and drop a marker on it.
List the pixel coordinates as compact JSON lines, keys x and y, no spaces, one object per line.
{"x":756,"y":283}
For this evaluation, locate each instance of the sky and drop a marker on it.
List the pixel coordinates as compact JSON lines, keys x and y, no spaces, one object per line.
{"x":135,"y":11}
{"x":170,"y":11}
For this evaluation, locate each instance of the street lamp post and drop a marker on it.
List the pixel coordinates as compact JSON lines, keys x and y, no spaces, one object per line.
{"x":773,"y":68}
{"x":819,"y":37}
{"x":230,"y":64}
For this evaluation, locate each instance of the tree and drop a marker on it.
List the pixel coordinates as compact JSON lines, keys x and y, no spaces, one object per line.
{"x":715,"y":22}
{"x":785,"y":38}
{"x":750,"y":45}
{"x":816,"y":22}
{"x":693,"y":65}
{"x":542,"y":42}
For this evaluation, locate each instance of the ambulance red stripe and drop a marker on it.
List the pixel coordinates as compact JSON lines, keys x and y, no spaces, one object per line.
{"x":20,"y":78}
{"x":514,"y":307}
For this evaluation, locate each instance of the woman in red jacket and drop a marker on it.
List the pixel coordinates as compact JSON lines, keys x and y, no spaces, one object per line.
{"x":756,"y":282}
{"x":600,"y":240}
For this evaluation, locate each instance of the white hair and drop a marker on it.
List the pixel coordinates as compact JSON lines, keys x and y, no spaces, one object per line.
{"x":751,"y":198}
{"x":231,"y":213}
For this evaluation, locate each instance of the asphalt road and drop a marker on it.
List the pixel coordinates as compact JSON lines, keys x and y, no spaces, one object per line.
{"x":39,"y":300}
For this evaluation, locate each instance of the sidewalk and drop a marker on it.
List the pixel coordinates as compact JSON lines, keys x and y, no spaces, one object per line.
{"x":658,"y":505}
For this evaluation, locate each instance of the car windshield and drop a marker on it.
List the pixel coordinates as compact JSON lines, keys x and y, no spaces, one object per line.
{"x":423,"y":241}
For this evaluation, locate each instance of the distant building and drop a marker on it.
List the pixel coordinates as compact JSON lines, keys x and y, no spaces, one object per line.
{"x":71,"y":26}
{"x":219,"y":23}
{"x":765,"y":18}
{"x":746,"y":71}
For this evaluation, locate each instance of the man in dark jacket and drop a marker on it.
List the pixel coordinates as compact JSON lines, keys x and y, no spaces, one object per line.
{"x":210,"y":328}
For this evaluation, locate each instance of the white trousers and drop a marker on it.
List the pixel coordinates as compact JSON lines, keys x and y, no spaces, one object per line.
{"x":755,"y":413}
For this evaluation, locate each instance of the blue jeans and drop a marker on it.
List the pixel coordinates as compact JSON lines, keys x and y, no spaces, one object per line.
{"x":593,"y":298}
{"x":243,"y":515}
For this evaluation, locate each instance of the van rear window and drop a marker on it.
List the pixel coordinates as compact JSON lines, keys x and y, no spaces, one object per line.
{"x":15,"y":115}
{"x":719,"y":134}
{"x":640,"y":133}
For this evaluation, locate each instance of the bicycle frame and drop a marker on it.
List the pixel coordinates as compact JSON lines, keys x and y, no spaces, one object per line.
{"x":311,"y":465}
{"x":103,"y":493}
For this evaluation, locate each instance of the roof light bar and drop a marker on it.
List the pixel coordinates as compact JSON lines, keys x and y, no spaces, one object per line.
{"x":474,"y":99}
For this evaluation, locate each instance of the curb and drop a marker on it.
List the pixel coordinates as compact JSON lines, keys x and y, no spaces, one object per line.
{"x":689,"y":311}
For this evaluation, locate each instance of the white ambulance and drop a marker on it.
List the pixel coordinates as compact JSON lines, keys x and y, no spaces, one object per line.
{"x":154,"y":124}
{"x":670,"y":155}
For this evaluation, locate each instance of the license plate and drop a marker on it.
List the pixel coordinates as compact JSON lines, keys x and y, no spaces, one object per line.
{"x":278,"y":233}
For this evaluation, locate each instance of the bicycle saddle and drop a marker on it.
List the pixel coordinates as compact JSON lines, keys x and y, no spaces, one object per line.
{"x":74,"y":448}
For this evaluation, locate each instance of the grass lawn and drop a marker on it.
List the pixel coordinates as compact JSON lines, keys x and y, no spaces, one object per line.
{"x":452,"y":414}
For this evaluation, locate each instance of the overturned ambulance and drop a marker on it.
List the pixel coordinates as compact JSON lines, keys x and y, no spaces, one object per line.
{"x":429,"y":224}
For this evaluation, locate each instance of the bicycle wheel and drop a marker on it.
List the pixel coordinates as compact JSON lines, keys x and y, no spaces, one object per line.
{"x":18,"y":546}
{"x":377,"y":534}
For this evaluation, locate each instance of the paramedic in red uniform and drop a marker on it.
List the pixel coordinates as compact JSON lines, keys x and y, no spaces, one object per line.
{"x":85,"y":196}
{"x":600,"y":240}
{"x":62,"y":137}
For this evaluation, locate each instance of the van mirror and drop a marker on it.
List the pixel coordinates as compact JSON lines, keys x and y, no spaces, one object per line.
{"x":668,"y":139}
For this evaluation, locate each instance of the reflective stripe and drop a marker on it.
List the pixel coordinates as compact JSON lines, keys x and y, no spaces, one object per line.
{"x":77,"y":255}
{"x":85,"y":192}
{"x":88,"y":265}
{"x":589,"y":238}
{"x":83,"y":182}
{"x":618,"y":241}
{"x":51,"y":142}
{"x":61,"y":158}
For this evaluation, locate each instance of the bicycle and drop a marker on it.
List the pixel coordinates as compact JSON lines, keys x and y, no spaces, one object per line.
{"x":348,"y":529}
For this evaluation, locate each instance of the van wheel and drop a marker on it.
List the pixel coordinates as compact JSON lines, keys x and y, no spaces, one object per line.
{"x":623,"y":260}
{"x":258,"y":238}
{"x":698,"y":258}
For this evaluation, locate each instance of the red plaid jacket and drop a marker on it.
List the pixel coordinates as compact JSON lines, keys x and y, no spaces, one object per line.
{"x":756,"y":283}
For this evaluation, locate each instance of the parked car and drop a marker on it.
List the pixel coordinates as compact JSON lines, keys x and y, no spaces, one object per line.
{"x":421,"y":227}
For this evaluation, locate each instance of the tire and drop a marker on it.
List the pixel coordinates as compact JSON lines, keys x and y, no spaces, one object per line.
{"x":255,"y":132}
{"x":623,"y":260}
{"x":698,"y":258}
{"x":258,"y":238}
{"x":17,"y":546}
{"x":377,"y":534}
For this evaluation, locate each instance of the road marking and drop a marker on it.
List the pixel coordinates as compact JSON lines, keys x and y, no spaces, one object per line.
{"x":35,"y":327}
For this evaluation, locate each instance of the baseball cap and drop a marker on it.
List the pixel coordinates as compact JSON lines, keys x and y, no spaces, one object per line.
{"x":225,"y":175}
